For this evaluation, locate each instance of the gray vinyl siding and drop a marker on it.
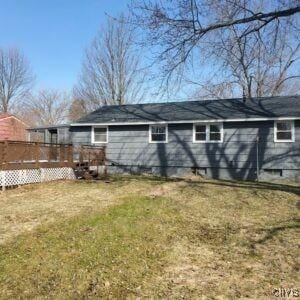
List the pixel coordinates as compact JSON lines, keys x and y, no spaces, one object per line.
{"x":80,"y":135}
{"x":64,"y":135}
{"x":236,"y":157}
{"x":47,"y":136}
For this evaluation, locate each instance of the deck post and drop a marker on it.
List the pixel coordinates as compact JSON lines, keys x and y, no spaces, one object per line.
{"x":4,"y":157}
{"x":104,"y":160}
{"x":81,"y":154}
{"x":61,"y":155}
{"x":3,"y":180}
{"x":36,"y":154}
{"x":70,"y":155}
{"x":50,"y":149}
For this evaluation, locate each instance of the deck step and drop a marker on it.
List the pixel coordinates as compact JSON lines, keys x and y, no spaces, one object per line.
{"x":83,"y":172}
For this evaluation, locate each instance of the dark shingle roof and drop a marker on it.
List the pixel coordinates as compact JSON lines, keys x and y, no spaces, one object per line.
{"x":48,"y":126}
{"x":268,"y":107}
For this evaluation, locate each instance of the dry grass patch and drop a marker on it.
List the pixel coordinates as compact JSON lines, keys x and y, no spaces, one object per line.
{"x":237,"y":240}
{"x":143,"y":237}
{"x":24,"y":208}
{"x":111,"y":254}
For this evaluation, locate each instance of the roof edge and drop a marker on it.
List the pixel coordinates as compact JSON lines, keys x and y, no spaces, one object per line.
{"x":186,"y":121}
{"x":13,"y":116}
{"x":238,"y":99}
{"x":48,"y":127}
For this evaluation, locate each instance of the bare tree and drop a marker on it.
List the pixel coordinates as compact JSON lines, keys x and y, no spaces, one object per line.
{"x":182,"y":30}
{"x":258,"y":65}
{"x":111,"y":72}
{"x":49,"y":107}
{"x":16,"y":78}
{"x":77,"y":109}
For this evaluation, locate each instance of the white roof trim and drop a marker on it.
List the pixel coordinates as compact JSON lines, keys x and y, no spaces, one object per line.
{"x":186,"y":121}
{"x":12,"y":116}
{"x":8,"y":117}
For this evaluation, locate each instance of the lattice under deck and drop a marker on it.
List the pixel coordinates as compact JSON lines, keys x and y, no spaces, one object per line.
{"x":19,"y":177}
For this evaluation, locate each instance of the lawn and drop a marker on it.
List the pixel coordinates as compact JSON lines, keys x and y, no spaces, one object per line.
{"x":145,"y":237}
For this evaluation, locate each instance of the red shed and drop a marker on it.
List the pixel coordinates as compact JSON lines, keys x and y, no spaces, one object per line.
{"x":12,"y":128}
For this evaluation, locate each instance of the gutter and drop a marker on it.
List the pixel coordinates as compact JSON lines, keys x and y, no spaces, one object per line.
{"x":187,"y":121}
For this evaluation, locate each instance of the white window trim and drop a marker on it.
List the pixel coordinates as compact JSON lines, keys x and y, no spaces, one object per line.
{"x":93,"y":135}
{"x":292,"y":140}
{"x":207,"y":133}
{"x":158,"y":142}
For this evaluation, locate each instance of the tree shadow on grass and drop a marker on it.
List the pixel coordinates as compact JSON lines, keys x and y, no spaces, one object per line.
{"x":226,"y":183}
{"x":139,"y":177}
{"x":270,"y":233}
{"x":254,"y":185}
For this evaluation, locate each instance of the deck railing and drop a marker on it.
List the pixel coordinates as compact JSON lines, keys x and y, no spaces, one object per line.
{"x":27,"y":155}
{"x":93,"y":155}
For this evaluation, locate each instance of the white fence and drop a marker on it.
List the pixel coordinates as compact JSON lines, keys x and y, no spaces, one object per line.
{"x":19,"y":177}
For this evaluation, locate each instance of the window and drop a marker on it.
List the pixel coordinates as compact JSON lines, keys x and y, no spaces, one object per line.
{"x":208,"y":133}
{"x":99,"y":135}
{"x":215,"y":132}
{"x":284,"y":131}
{"x":158,"y":134}
{"x":199,"y":170}
{"x":37,"y":136}
{"x":273,"y":172}
{"x":200,"y":133}
{"x":53,"y":136}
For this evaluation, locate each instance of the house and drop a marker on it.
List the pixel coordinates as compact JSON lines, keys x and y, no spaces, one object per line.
{"x":54,"y":134}
{"x":231,"y":138}
{"x":12,"y":128}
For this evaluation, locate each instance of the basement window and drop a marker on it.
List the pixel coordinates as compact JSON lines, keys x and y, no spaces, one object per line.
{"x":284,"y":131}
{"x":199,"y":170}
{"x":273,"y":172}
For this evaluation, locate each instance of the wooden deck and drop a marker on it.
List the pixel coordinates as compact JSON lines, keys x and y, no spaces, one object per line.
{"x":16,"y":155}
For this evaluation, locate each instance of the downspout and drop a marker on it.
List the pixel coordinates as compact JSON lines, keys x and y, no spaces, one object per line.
{"x":257,"y":158}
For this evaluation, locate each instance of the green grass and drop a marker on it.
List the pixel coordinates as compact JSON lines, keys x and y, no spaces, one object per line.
{"x":161,"y":239}
{"x":100,"y":254}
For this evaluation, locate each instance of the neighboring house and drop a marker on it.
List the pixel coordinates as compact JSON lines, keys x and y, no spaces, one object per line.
{"x":228,"y":138}
{"x":56,"y":134}
{"x":12,"y":128}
